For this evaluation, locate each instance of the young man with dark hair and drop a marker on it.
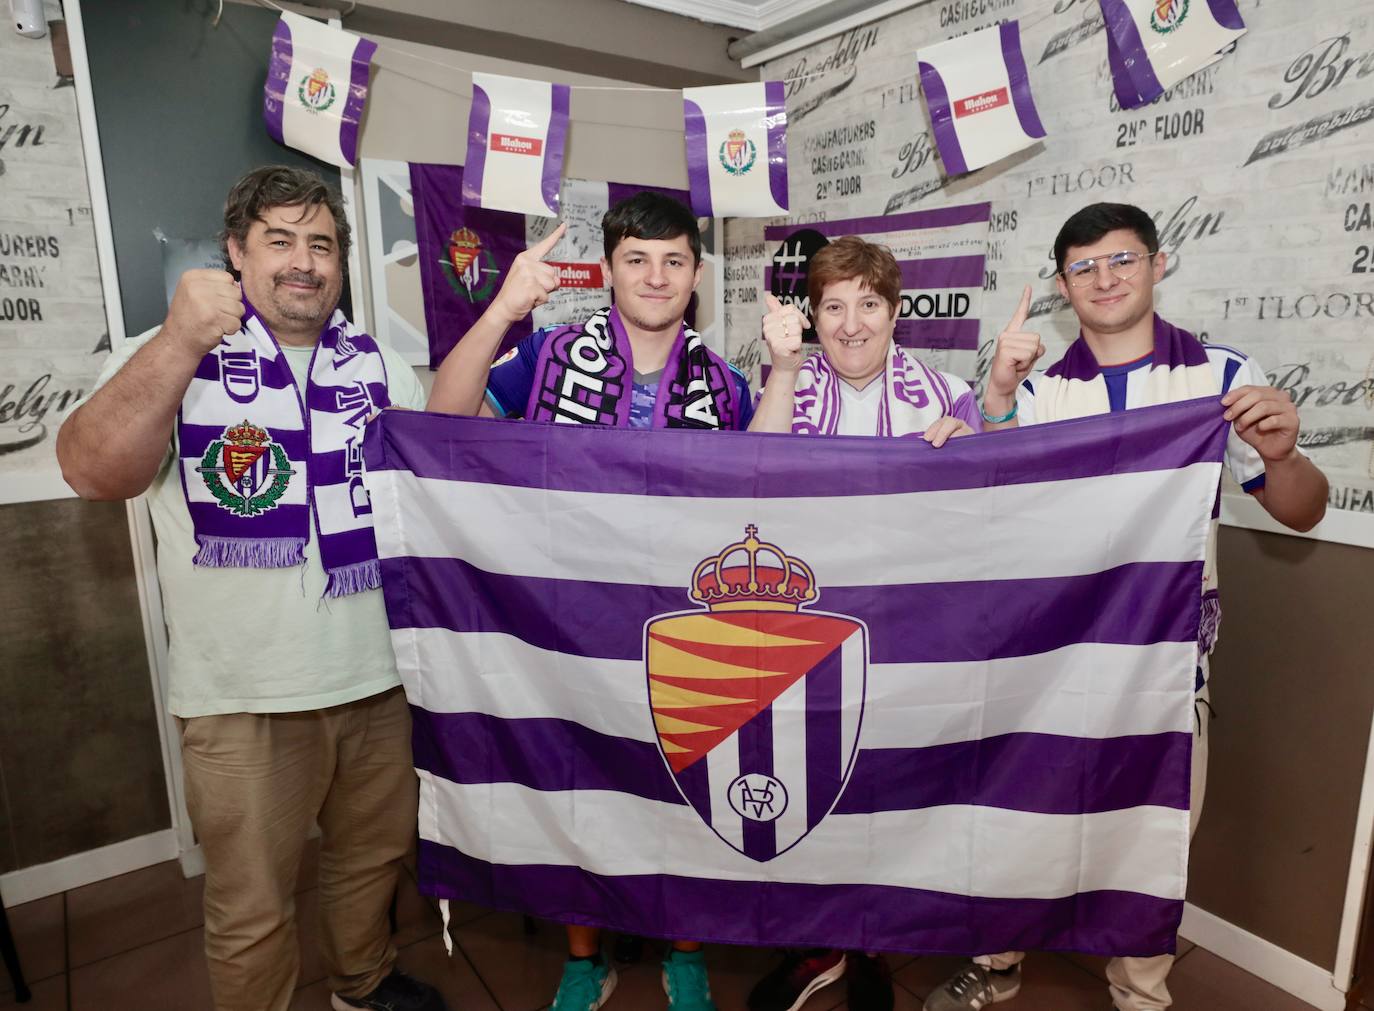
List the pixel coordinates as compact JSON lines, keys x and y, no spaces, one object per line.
{"x":241,"y":417}
{"x":1108,"y":262}
{"x":634,"y":364}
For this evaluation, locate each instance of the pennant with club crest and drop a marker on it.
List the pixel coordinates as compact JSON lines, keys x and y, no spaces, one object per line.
{"x":736,"y":137}
{"x":317,"y":88}
{"x":1154,"y":44}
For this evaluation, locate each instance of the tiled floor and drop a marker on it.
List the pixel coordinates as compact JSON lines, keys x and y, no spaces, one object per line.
{"x":134,"y":943}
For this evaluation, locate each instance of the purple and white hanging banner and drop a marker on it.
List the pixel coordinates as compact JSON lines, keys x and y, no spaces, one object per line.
{"x":737,"y":149}
{"x":979,"y":96}
{"x":316,"y":88}
{"x":1154,"y":44}
{"x":516,"y":134}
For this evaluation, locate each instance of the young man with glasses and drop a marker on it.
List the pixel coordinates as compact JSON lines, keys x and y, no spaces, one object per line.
{"x":1126,"y":356}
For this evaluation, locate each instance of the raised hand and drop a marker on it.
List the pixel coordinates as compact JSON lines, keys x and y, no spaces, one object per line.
{"x":783,"y":326}
{"x":206,"y":305}
{"x":1016,"y":354}
{"x":1266,"y":418}
{"x":530,"y":281}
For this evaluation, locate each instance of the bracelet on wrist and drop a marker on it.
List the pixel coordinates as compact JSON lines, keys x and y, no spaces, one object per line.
{"x":998,"y":421}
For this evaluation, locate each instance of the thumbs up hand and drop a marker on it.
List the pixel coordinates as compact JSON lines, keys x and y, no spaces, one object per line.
{"x":783,"y":327}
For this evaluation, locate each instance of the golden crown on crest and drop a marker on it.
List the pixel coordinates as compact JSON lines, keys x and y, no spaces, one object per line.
{"x":246,"y":434}
{"x":753,"y":575}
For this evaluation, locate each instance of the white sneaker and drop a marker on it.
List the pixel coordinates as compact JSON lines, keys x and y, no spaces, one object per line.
{"x":973,"y":987}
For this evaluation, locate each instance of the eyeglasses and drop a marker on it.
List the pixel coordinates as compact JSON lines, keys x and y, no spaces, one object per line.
{"x":1124,"y":265}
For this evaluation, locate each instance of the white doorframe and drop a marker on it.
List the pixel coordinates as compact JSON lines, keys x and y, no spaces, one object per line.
{"x":140,"y":524}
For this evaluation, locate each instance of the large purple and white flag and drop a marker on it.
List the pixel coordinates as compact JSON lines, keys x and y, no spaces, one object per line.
{"x":941,"y":254}
{"x":845,"y":692}
{"x":316,"y":88}
{"x":1154,"y":44}
{"x":517,"y":130}
{"x":978,"y":92}
{"x":736,"y":136}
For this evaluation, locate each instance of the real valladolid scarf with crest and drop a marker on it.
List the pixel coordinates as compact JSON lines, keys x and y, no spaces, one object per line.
{"x":261,"y":459}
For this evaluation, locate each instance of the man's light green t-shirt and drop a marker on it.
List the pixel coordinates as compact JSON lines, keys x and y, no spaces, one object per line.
{"x":263,"y":640}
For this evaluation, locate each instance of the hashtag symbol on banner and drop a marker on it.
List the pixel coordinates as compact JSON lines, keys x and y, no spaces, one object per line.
{"x":790,"y":266}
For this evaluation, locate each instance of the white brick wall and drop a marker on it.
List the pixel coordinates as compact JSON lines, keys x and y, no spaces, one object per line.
{"x":1271,"y":254}
{"x":52,"y":316}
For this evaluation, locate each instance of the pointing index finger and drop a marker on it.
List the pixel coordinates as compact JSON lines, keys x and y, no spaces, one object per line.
{"x":544,"y":246}
{"x":1018,"y":319}
{"x":772,"y":301}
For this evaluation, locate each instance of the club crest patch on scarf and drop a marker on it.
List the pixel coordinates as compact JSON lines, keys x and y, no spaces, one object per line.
{"x":757,"y":703}
{"x":246,"y":471}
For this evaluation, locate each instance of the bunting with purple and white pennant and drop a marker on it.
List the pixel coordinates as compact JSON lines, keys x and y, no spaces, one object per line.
{"x":856,"y":693}
{"x":316,"y":88}
{"x":736,"y":137}
{"x":1154,"y":44}
{"x":517,"y":131}
{"x":978,"y":92}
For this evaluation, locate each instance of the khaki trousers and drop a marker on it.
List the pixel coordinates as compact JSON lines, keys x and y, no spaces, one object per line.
{"x":1138,"y":984}
{"x":255,"y":784}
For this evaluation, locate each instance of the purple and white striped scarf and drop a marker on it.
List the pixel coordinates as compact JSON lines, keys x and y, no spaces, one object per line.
{"x":585,"y":376}
{"x":257,"y":455}
{"x":915,"y":396}
{"x":1073,"y":387}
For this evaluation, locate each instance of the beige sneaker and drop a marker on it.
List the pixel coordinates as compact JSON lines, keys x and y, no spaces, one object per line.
{"x":973,"y":987}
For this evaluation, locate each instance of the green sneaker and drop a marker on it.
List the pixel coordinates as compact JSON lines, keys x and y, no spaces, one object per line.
{"x":684,"y":981}
{"x":584,"y":986}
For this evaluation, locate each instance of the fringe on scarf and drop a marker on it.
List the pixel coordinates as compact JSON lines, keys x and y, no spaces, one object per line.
{"x":354,"y":578}
{"x":243,"y":553}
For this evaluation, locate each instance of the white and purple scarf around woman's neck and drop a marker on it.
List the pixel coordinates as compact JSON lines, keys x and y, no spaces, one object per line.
{"x":914,"y":397}
{"x":585,"y":376}
{"x":1074,"y":387}
{"x":258,"y":456}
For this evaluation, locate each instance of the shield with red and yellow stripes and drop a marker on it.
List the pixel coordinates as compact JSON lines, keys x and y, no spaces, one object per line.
{"x":757,"y":704}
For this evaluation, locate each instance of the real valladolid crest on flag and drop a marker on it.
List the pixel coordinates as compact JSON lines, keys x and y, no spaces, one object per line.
{"x":736,"y":137}
{"x":316,"y":88}
{"x":1154,"y":44}
{"x":516,"y":134}
{"x":674,"y":701}
{"x":978,"y":92}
